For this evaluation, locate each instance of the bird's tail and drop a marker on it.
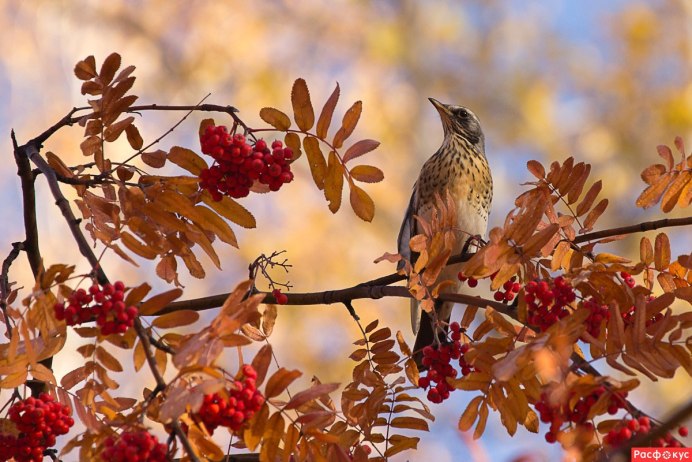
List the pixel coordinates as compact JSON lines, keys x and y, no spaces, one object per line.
{"x":415,"y":315}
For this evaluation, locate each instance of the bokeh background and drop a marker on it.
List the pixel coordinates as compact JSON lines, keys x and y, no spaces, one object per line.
{"x":604,"y":82}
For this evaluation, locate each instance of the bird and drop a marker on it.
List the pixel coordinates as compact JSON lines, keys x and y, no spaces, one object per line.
{"x":460,"y":167}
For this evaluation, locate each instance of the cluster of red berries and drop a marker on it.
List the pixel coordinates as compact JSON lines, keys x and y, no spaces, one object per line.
{"x":472,"y":282}
{"x":630,"y":428}
{"x":629,"y":280}
{"x":509,"y":290}
{"x":108,"y":308}
{"x":38,"y":422}
{"x":438,"y":361}
{"x":237,"y":165}
{"x":237,"y":407}
{"x":547,"y":304}
{"x":599,"y":313}
{"x":281,"y":298}
{"x":134,"y":446}
{"x":558,"y":414}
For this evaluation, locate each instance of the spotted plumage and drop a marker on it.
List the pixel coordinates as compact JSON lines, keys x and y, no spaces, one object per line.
{"x":459,"y":166}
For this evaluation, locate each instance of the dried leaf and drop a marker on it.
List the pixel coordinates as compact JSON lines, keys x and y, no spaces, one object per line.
{"x":661,"y":252}
{"x":348,"y":124}
{"x":651,"y":195}
{"x":537,"y":170}
{"x":334,"y":182}
{"x":275,"y":118}
{"x":325,"y":118}
{"x":187,"y":159}
{"x":175,"y":319}
{"x":318,"y":166}
{"x":671,"y":196}
{"x":292,"y":141}
{"x":232,"y":210}
{"x":156,"y":303}
{"x":312,"y":393}
{"x":411,"y":423}
{"x":594,"y":215}
{"x":133,"y":137}
{"x":156,"y":159}
{"x":399,"y":443}
{"x":367,"y":174}
{"x":86,"y":69}
{"x":303,"y":113}
{"x":261,"y":362}
{"x":666,"y":154}
{"x":361,"y":203}
{"x":108,"y":360}
{"x":482,"y":420}
{"x":109,"y":67}
{"x":585,"y":205}
{"x":279,"y":381}
{"x":359,"y":148}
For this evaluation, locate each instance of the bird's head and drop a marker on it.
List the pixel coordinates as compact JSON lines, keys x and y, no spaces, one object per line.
{"x":460,"y":121}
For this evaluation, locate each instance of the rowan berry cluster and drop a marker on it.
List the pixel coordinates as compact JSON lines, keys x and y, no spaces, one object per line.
{"x":38,"y":422}
{"x":281,"y":298}
{"x":629,"y":280}
{"x":237,"y":164}
{"x":472,"y":282}
{"x":558,"y":414}
{"x":134,"y":446}
{"x":599,"y":313}
{"x":236,"y":407}
{"x":509,"y":290}
{"x":104,"y":304}
{"x":438,"y":361}
{"x":631,"y":428}
{"x":547,"y":304}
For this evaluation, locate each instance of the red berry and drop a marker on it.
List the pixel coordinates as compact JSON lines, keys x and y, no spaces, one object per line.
{"x":682,"y":431}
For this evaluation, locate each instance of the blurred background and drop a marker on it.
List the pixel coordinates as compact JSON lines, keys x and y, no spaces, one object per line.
{"x":604,"y":82}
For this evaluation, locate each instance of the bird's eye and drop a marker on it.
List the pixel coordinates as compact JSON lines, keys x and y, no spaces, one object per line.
{"x":462,"y":113}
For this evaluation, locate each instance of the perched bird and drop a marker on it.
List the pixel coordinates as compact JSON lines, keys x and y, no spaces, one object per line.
{"x":460,"y":167}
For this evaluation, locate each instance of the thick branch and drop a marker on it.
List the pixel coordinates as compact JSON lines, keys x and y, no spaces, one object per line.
{"x":639,"y":228}
{"x":31,"y":246}
{"x":63,"y":204}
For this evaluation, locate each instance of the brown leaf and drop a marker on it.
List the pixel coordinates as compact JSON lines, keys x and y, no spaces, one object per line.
{"x":348,"y":124}
{"x":108,"y":360}
{"x":412,"y":372}
{"x":482,"y":420}
{"x":312,"y":393}
{"x":652,"y":173}
{"x":109,"y":67}
{"x":593,"y":216}
{"x":359,"y":148}
{"x":279,"y":381}
{"x":114,"y":131}
{"x":137,"y":247}
{"x":261,"y":362}
{"x":213,"y":223}
{"x":156,"y":159}
{"x":646,"y":252}
{"x":232,"y":210}
{"x":585,"y":205}
{"x":577,"y":180}
{"x":175,"y":319}
{"x":156,"y":303}
{"x":325,"y":118}
{"x":303,"y":113}
{"x":536,"y":169}
{"x":86,"y":69}
{"x":318,"y":166}
{"x":661,"y":252}
{"x":399,"y":443}
{"x":361,"y":203}
{"x":334,"y":182}
{"x":681,"y":181}
{"x":275,"y":118}
{"x":666,"y":154}
{"x":367,"y":174}
{"x":187,"y":159}
{"x":411,"y":423}
{"x":651,"y":195}
{"x":269,"y":319}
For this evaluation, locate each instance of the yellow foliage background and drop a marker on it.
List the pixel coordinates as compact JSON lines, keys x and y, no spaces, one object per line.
{"x":602,"y":81}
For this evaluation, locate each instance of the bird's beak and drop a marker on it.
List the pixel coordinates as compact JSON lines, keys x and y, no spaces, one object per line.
{"x":441,"y":108}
